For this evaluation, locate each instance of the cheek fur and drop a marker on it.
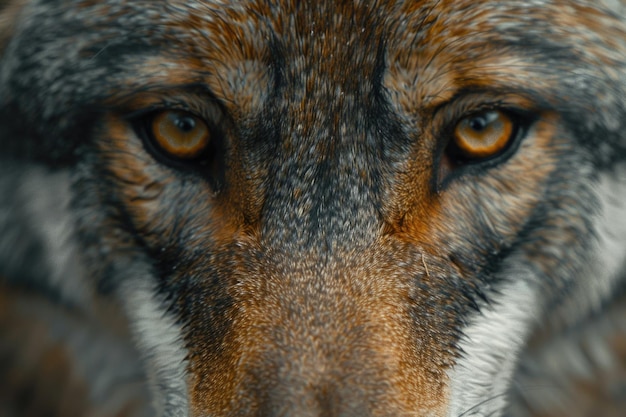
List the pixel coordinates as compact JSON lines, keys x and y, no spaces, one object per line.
{"x":325,"y":258}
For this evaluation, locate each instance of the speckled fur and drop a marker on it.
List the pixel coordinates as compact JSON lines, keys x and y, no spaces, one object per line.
{"x":326,"y":260}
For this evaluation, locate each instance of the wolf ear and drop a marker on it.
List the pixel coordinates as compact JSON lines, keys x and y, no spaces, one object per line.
{"x":9,"y":10}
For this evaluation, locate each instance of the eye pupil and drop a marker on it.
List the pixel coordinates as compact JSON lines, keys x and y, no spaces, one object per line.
{"x":478,"y":124}
{"x":185,"y":124}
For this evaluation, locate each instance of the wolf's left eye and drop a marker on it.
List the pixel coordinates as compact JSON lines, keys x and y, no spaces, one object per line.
{"x":482,"y":135}
{"x":179,"y":134}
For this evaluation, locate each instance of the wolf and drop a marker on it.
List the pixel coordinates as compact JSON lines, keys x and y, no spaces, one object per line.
{"x":312,"y":208}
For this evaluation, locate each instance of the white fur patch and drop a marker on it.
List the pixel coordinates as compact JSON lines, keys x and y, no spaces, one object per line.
{"x":160,"y":341}
{"x":491,"y":343}
{"x":48,"y":198}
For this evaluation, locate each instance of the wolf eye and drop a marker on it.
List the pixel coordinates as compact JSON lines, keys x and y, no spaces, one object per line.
{"x":180,"y":134}
{"x":482,"y":135}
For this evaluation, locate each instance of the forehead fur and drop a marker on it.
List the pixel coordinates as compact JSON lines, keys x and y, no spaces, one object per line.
{"x":434,"y":48}
{"x":316,"y":226}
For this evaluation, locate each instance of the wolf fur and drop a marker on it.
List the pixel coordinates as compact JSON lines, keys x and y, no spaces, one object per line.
{"x":329,"y":256}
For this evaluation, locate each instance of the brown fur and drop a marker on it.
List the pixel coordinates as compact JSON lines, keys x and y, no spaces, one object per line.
{"x":329,"y":254}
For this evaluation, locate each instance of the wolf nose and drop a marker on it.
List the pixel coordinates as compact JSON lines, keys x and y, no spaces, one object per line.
{"x":324,"y":401}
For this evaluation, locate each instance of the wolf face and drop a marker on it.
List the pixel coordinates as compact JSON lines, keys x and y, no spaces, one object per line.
{"x":325,"y":208}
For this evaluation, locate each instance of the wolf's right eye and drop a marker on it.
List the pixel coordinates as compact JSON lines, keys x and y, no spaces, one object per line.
{"x":178,"y":133}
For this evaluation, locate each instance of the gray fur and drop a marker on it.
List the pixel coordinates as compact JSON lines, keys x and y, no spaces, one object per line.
{"x":320,"y":155}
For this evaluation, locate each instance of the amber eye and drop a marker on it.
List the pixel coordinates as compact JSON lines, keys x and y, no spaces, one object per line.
{"x":180,"y":134}
{"x":484,"y":134}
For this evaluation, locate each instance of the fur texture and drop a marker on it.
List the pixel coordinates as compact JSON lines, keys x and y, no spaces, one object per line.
{"x":332,"y":251}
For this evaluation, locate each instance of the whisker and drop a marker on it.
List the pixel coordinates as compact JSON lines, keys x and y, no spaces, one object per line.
{"x":474,"y":407}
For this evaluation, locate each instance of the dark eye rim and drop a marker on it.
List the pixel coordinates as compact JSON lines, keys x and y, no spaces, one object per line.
{"x":522,"y":119}
{"x":142,"y":125}
{"x":209,"y":165}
